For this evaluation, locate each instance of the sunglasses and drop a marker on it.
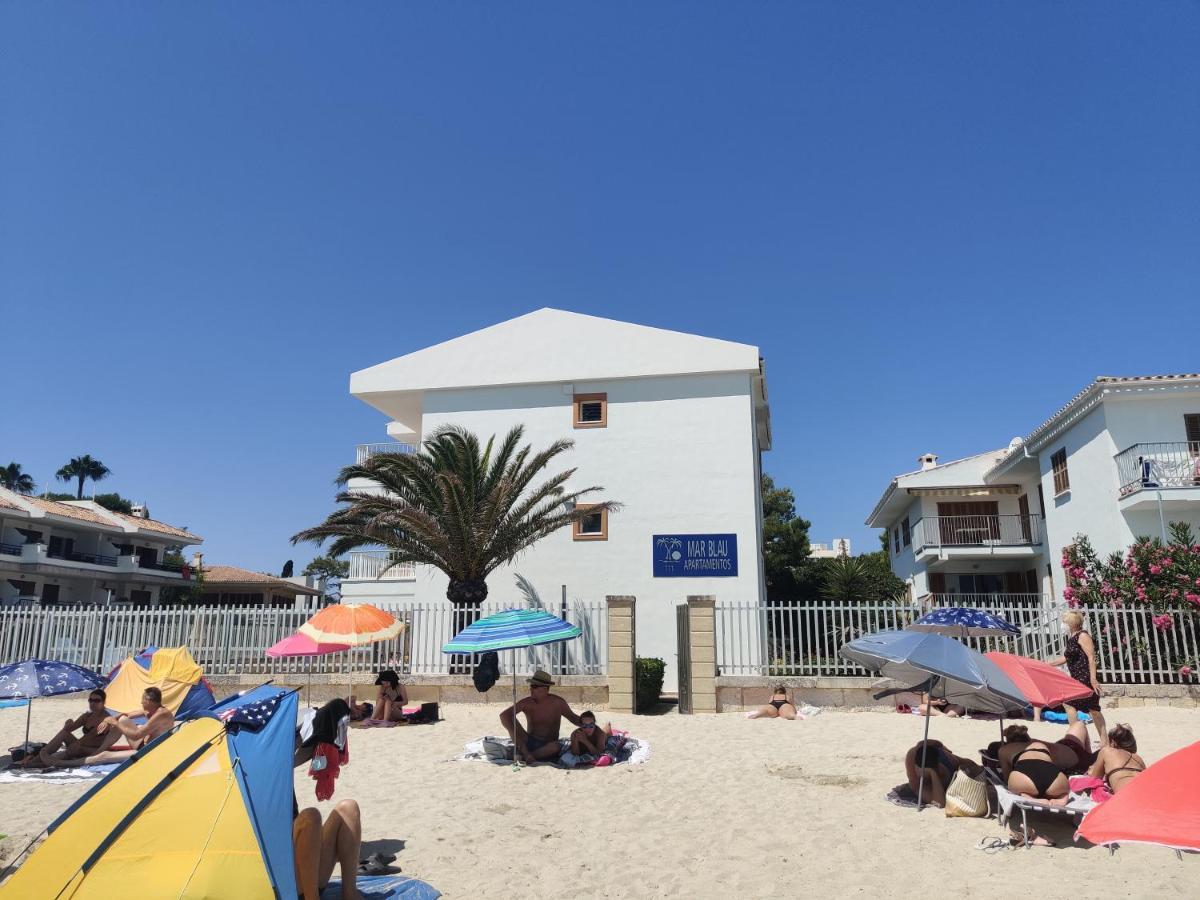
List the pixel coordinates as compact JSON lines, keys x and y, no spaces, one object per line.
{"x":95,"y":699}
{"x":589,"y":724}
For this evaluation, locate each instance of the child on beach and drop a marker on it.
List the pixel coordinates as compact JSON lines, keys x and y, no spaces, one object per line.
{"x":588,"y":740}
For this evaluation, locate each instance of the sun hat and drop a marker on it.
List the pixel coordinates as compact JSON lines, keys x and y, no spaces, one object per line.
{"x":388,"y":675}
{"x":541,"y":678}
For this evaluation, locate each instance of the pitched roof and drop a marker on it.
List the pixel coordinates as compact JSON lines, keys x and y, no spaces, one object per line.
{"x":155,"y":525}
{"x":966,"y":472}
{"x":214,"y":575}
{"x":70,"y":511}
{"x":553,"y":345}
{"x":91,"y":512}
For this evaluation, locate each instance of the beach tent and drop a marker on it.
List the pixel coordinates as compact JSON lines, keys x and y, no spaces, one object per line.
{"x":172,"y":670}
{"x":198,"y":812}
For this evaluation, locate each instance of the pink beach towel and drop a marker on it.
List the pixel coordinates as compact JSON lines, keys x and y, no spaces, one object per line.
{"x":1099,"y":790}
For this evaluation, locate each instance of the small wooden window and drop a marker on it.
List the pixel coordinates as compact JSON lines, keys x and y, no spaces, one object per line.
{"x":906,"y":532}
{"x":1062,"y":481}
{"x":591,"y":527}
{"x":591,"y":410}
{"x":896,"y":538}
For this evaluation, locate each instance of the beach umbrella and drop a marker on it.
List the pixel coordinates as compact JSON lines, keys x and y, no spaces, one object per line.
{"x":1156,"y":807}
{"x":1041,"y":683}
{"x":937,"y":665}
{"x":353,"y":624}
{"x":512,"y":629}
{"x":44,"y":678}
{"x":958,"y":621}
{"x":300,"y":644}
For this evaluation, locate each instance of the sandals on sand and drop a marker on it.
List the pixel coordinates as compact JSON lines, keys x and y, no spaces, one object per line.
{"x":377,"y":864}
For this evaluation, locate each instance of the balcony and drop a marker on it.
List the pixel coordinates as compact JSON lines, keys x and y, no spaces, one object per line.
{"x":10,"y":550}
{"x":1145,"y":471}
{"x":945,"y":537}
{"x":985,"y":601}
{"x":71,"y":556}
{"x":366,"y":451}
{"x":377,"y":565}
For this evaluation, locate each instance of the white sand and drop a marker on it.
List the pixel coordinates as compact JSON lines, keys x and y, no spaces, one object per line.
{"x":725,"y":808}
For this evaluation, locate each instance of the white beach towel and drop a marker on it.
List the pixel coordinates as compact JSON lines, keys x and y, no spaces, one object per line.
{"x":635,"y":752}
{"x":76,"y":775}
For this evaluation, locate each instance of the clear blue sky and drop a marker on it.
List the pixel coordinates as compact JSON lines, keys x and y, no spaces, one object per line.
{"x":938,"y":221}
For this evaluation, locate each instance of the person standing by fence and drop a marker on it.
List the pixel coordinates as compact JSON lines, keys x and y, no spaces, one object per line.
{"x":1079,"y":654}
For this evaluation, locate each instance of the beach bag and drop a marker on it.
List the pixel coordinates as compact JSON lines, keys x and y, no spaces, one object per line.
{"x":966,"y":796}
{"x":487,"y":671}
{"x":498,"y":748}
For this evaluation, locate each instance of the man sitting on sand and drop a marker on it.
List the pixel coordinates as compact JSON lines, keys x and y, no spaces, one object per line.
{"x":544,"y":713}
{"x":159,"y":720}
{"x":65,"y":746}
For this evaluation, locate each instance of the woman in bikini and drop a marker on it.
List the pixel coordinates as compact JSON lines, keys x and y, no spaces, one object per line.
{"x":1118,"y":762}
{"x":940,"y":766}
{"x":778,"y":707}
{"x":65,"y":745}
{"x":389,"y":703}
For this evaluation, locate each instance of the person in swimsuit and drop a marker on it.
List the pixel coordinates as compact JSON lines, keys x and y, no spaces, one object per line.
{"x":391,"y":699}
{"x":65,"y":745}
{"x":159,"y":720}
{"x":1118,"y":762}
{"x":1034,"y":768}
{"x":544,"y":712}
{"x":589,"y":738}
{"x":1079,"y":655}
{"x":940,"y":706}
{"x":940,"y":766}
{"x":778,"y":707}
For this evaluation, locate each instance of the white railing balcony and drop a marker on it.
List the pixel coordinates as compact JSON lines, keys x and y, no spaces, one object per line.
{"x":937,"y":532}
{"x":366,"y":451}
{"x":1171,"y":464}
{"x":985,"y":600}
{"x":377,"y":565}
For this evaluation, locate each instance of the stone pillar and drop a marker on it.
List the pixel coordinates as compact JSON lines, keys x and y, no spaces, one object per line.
{"x":702,"y":650}
{"x":622,"y":654}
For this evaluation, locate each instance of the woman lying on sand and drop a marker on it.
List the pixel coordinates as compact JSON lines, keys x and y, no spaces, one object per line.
{"x":778,"y":707}
{"x":940,"y":766}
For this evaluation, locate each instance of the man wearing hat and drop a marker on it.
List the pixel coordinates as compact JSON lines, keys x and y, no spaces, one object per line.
{"x":544,"y":712}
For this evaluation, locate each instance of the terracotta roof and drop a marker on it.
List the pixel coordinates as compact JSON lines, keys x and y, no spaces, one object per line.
{"x":4,"y":504}
{"x":236,"y":575}
{"x":160,"y":527}
{"x":68,"y":511}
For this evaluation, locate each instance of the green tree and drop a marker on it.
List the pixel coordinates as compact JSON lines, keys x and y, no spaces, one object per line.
{"x":115,"y":502}
{"x":867,"y":578}
{"x":457,"y":505}
{"x":330,"y":571}
{"x":80,"y":469}
{"x":14,"y":479}
{"x":785,"y":543}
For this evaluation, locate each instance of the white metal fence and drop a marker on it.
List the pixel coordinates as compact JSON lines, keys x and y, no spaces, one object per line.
{"x":804,"y":639}
{"x":231,"y":640}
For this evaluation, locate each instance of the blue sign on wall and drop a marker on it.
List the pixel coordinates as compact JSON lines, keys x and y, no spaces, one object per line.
{"x":695,"y":555}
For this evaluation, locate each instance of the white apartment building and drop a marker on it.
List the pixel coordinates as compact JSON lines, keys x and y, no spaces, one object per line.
{"x":1120,"y":460}
{"x":835,"y":548}
{"x":77,"y":551}
{"x":671,"y":424}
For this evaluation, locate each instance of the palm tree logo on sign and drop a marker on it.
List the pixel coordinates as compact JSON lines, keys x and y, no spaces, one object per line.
{"x":672,"y":549}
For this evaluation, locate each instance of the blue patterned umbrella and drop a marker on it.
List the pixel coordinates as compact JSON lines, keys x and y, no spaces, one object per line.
{"x":44,"y":678}
{"x":959,"y":621}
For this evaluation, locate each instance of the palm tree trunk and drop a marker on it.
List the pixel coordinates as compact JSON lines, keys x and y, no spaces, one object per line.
{"x":79,"y":496}
{"x":466,"y":595}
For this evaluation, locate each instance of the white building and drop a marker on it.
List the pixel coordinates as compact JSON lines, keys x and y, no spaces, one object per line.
{"x":76,"y":551}
{"x":671,"y":424}
{"x":835,"y":548}
{"x":1120,"y":460}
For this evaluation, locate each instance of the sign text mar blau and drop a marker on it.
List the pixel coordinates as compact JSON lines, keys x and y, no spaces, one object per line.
{"x":695,"y":555}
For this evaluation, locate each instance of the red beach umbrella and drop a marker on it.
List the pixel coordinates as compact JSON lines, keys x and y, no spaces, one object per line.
{"x":1159,"y":806}
{"x":300,"y":644}
{"x":1043,"y":684}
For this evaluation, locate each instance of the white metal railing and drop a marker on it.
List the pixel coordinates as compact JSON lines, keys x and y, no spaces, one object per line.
{"x":985,"y":600}
{"x":1171,"y":464}
{"x":366,"y":451}
{"x":933,"y":532}
{"x":799,"y":640}
{"x":377,"y":565}
{"x":231,"y":640}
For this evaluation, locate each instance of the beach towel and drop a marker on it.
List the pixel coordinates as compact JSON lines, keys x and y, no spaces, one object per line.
{"x":77,"y":775}
{"x":384,"y":887}
{"x":633,"y":752}
{"x":1094,"y":787}
{"x":902,"y":795}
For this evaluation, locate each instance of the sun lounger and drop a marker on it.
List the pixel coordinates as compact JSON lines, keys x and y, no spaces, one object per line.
{"x":1075,"y":808}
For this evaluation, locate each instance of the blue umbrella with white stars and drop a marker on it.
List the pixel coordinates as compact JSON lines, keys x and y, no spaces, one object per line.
{"x":958,"y":621}
{"x":44,"y":678}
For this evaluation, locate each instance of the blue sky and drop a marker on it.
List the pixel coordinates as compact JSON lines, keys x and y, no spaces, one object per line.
{"x":938,"y":221}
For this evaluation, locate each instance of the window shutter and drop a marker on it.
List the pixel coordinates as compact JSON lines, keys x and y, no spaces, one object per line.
{"x":1191,"y":424}
{"x":937,"y":582}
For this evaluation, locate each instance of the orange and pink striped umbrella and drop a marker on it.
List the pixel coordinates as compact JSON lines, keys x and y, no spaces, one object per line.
{"x":355,"y":624}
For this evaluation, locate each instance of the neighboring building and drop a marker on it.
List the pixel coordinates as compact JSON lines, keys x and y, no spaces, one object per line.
{"x":836,"y":547}
{"x":77,"y":551}
{"x":1120,"y":460}
{"x":229,"y":585}
{"x":671,"y":424}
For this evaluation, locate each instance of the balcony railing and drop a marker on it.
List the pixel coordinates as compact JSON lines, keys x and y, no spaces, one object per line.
{"x":985,"y":601}
{"x":934,"y":532}
{"x":156,"y":566}
{"x":1171,"y":464}
{"x":10,"y":549}
{"x":93,"y":558}
{"x":366,"y":451}
{"x":370,"y":565}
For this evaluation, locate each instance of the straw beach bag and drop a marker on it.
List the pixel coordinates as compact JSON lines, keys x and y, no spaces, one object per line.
{"x":966,"y":796}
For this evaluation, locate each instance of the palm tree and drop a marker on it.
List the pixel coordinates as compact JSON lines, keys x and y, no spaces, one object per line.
{"x":460,"y":507}
{"x":82,"y":468}
{"x":14,"y":479}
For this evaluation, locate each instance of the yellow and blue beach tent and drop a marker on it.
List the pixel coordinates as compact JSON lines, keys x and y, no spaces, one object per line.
{"x":172,"y":670}
{"x":204,"y":811}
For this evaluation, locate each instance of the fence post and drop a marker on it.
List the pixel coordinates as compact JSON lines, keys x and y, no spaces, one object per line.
{"x":622,"y":654}
{"x":702,"y":648}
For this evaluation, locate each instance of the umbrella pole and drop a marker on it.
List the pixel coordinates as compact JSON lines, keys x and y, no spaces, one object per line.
{"x":925,"y":742}
{"x":28,"y":712}
{"x":516,"y":755}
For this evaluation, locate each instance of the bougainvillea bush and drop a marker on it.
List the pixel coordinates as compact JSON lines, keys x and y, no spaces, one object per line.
{"x":1160,"y":580}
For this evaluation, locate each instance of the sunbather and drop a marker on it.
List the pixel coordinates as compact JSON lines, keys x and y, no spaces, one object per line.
{"x":1118,"y":762}
{"x":391,"y":699}
{"x":589,"y":738}
{"x":940,"y":766}
{"x":159,"y":720}
{"x":940,"y":706}
{"x":320,"y":846}
{"x":1034,"y":768}
{"x":778,"y":707}
{"x":544,"y":713}
{"x":65,"y":745}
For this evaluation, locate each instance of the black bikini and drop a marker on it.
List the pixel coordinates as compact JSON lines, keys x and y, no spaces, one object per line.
{"x":1124,"y":768}
{"x":778,"y":703}
{"x":1042,"y":772}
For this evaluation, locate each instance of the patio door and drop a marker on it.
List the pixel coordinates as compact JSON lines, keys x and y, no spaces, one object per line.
{"x":1026,"y":526}
{"x":968,"y":522}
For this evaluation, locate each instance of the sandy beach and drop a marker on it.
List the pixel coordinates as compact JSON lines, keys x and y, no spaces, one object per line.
{"x":724,"y":808}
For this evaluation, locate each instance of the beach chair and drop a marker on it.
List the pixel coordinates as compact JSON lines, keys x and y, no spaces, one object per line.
{"x":1076,"y":808}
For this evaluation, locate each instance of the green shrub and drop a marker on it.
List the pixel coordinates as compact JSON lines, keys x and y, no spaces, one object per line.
{"x":649,"y":675}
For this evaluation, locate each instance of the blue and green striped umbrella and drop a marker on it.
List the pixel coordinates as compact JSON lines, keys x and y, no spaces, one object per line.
{"x":510,"y":629}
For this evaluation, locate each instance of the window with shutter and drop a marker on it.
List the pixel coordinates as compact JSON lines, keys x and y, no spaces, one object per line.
{"x":1191,"y":424}
{"x":590,"y":410}
{"x":1062,"y":481}
{"x":592,"y":527}
{"x":906,"y":532}
{"x":1026,"y":525}
{"x":896,"y":539}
